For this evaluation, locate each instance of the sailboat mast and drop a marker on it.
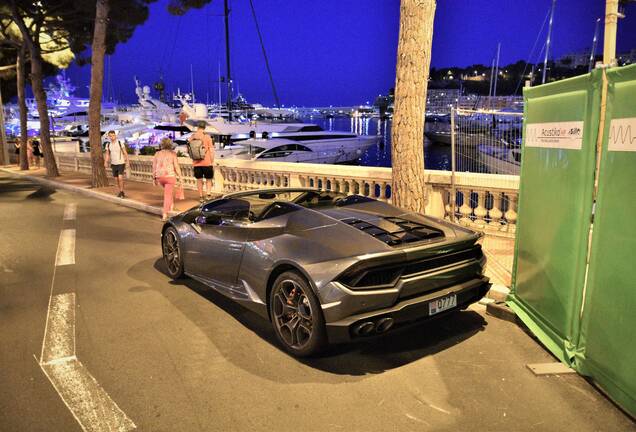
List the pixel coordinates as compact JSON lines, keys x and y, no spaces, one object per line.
{"x":494,"y":89}
{"x":192,"y":83}
{"x":547,"y":43}
{"x":219,"y":82}
{"x":492,"y":76}
{"x":227,"y":59}
{"x":594,"y":41}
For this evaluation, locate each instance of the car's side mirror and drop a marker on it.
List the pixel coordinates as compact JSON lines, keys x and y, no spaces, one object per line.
{"x":209,"y":219}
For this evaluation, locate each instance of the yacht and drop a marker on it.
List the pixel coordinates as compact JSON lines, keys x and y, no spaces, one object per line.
{"x":310,"y":147}
{"x":500,"y":160}
{"x":260,"y":140}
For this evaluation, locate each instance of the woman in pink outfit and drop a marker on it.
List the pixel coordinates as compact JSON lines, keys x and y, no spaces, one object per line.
{"x":166,"y":172}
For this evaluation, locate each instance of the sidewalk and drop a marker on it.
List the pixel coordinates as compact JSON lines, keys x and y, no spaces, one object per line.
{"x":149,"y":198}
{"x":141,"y":196}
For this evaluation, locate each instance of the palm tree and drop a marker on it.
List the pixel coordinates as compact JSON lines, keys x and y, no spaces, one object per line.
{"x":98,"y":178}
{"x":413,"y":63}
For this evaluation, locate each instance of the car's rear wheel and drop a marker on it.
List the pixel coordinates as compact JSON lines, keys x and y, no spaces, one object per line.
{"x":172,"y":253}
{"x":296,"y":315}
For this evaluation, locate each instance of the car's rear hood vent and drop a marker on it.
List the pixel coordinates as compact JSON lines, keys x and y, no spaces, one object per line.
{"x":395,"y":231}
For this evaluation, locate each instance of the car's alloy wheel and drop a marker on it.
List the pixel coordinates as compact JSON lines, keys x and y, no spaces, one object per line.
{"x":296,"y":315}
{"x":172,"y":253}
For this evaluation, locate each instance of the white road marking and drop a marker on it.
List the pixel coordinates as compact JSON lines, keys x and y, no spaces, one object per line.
{"x":89,"y":403}
{"x":59,"y":339}
{"x":70,"y":211}
{"x":66,"y":248}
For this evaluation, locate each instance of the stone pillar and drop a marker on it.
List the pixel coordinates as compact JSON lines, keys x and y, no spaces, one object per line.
{"x":480,"y":210}
{"x":465,"y":210}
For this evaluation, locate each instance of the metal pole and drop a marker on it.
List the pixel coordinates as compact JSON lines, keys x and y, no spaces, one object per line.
{"x":227,"y":59}
{"x":453,"y":196}
{"x":609,"y":40}
{"x":594,"y":41}
{"x":494,"y":89}
{"x":547,"y":43}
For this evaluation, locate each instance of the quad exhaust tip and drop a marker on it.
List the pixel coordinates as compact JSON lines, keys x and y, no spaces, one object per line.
{"x":384,"y":324}
{"x":366,"y":328}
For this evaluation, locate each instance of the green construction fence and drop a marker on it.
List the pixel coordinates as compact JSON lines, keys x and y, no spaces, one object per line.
{"x":583,"y":312}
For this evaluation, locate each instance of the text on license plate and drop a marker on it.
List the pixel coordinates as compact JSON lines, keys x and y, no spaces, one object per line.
{"x":442,"y":304}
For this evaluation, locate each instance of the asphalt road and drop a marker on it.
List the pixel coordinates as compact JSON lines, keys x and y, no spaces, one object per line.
{"x":179,"y":357}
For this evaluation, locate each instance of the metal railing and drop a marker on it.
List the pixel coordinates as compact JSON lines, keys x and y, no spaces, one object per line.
{"x":488,"y":143}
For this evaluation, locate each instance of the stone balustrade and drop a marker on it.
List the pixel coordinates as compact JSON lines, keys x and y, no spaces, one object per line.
{"x":484,"y":201}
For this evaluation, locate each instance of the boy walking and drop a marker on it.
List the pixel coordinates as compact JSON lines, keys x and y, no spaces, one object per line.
{"x":202,"y":167}
{"x":117,"y":156}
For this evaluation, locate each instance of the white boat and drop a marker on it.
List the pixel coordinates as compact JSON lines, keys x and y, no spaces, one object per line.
{"x":310,"y":147}
{"x":309,"y":142}
{"x":500,"y":160}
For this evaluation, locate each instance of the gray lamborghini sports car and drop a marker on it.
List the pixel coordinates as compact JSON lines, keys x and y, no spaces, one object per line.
{"x":325,"y":267}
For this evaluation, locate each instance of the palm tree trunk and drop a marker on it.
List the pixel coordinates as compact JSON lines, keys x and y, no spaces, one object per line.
{"x":4,"y":145}
{"x":98,"y":177}
{"x":40,"y":97}
{"x":413,"y":63}
{"x":20,"y":83}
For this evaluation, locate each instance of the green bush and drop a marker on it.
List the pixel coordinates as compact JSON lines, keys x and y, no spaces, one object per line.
{"x":147,"y":151}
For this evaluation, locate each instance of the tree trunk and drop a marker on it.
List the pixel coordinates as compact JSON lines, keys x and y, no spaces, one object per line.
{"x":20,"y":83}
{"x":40,"y":97}
{"x":4,"y":145}
{"x":413,"y":63}
{"x":98,"y":177}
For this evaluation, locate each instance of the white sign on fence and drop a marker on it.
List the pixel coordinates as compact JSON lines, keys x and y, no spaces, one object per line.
{"x":560,"y":135}
{"x":622,"y":135}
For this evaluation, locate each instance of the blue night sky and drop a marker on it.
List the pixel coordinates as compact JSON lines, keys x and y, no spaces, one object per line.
{"x":339,"y":52}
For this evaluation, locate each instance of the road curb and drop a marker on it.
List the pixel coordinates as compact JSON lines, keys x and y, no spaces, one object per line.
{"x":502,"y":311}
{"x":498,"y":292}
{"x":125,"y":202}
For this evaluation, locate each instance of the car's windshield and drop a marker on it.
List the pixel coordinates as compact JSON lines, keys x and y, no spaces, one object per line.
{"x":313,"y":199}
{"x":258,"y":206}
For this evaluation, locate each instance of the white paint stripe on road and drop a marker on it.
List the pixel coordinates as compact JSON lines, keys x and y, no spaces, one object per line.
{"x":59,"y":339}
{"x":70,"y":211}
{"x":89,"y":403}
{"x":66,"y":248}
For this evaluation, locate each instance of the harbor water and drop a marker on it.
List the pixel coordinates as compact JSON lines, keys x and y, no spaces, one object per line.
{"x":437,"y":157}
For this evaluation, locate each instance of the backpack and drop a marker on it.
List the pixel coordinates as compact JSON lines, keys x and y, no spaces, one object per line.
{"x":196,"y":149}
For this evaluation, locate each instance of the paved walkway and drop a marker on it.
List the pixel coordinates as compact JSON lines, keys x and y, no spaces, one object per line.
{"x":143,"y":196}
{"x":149,"y":198}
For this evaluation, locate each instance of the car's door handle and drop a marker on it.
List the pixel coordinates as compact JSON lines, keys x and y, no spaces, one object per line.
{"x":236,"y":246}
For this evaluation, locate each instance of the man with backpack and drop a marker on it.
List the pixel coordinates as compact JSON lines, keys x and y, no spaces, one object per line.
{"x":201,"y":152}
{"x":117,"y":156}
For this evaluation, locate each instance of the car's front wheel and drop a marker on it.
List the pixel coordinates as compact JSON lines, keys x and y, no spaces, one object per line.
{"x":296,"y":315}
{"x":172,"y":253}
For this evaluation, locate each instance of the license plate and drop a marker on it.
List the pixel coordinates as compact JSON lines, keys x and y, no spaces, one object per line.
{"x":441,"y":304}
